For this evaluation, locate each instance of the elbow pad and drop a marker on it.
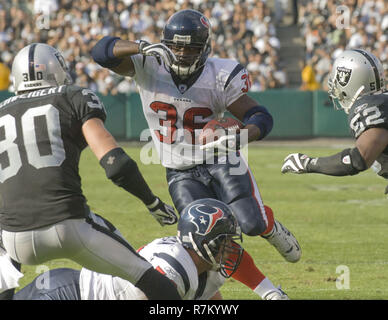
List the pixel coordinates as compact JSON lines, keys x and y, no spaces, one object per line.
{"x":102,"y":52}
{"x":354,"y":158}
{"x":345,"y":163}
{"x":261,"y":118}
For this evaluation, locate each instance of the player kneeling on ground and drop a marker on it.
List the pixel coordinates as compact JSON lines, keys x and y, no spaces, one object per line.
{"x":198,"y":260}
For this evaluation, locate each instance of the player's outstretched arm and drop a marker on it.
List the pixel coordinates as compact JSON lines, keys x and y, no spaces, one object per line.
{"x":351,"y":161}
{"x":123,"y":170}
{"x":114,"y":53}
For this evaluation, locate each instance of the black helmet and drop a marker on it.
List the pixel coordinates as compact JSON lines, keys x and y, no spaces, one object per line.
{"x":188,"y":28}
{"x":207,"y":226}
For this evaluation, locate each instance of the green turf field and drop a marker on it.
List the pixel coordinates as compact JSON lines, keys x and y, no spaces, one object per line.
{"x":338,"y":222}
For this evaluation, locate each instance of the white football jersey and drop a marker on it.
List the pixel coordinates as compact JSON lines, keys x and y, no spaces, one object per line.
{"x":167,"y":256}
{"x":176,"y":113}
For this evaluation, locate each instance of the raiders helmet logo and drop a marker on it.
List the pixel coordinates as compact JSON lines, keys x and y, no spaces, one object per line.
{"x":205,"y":219}
{"x":343,"y":75}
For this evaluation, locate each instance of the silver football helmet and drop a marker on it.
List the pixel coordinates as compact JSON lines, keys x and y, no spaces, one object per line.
{"x":355,"y":73}
{"x":39,"y":66}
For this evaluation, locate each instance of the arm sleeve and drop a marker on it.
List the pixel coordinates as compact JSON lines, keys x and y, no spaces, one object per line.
{"x":345,"y":163}
{"x":124,"y":172}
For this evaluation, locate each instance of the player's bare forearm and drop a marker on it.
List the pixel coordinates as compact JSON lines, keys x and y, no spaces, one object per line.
{"x":125,"y":48}
{"x":253,"y":132}
{"x":114,"y":54}
{"x":98,"y":138}
{"x":246,"y":109}
{"x":371,"y":144}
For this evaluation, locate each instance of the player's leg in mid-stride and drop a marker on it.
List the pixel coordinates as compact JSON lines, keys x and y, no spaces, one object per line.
{"x":242,"y":193}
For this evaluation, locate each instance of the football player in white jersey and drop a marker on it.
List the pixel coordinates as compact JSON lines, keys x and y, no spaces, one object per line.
{"x":198,"y":260}
{"x":181,"y":90}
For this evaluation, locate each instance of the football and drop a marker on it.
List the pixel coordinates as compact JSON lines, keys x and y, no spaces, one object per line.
{"x":215,"y":128}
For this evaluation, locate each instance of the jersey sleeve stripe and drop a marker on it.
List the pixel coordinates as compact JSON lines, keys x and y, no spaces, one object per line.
{"x":235,"y":71}
{"x":177,"y":266}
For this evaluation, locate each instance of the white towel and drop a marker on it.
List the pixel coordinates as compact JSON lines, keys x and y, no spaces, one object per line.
{"x":9,"y":275}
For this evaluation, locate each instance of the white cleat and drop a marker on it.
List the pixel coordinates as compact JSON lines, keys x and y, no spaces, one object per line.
{"x":279,"y":294}
{"x":285,"y":242}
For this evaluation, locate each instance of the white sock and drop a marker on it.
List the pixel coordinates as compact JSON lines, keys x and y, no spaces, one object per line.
{"x":264,"y":287}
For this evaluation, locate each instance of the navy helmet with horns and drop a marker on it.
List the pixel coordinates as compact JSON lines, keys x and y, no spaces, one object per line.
{"x":209,"y":227}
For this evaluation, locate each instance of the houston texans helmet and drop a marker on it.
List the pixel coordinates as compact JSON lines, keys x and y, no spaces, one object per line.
{"x":209,"y":227}
{"x":355,"y":73}
{"x":188,"y":29}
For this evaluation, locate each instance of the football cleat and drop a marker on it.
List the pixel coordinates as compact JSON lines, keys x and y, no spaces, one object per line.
{"x":285,"y":242}
{"x":278,"y":294}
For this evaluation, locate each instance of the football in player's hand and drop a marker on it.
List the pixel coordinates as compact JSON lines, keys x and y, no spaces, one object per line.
{"x":216,"y":128}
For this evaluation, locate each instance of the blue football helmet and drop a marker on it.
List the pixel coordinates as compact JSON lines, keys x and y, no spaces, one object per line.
{"x":188,"y":29}
{"x":209,"y":227}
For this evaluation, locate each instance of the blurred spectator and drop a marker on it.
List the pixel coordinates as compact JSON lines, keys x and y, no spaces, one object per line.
{"x":45,"y":6}
{"x":328,"y":31}
{"x":4,"y":76}
{"x":241,"y":29}
{"x":309,"y":81}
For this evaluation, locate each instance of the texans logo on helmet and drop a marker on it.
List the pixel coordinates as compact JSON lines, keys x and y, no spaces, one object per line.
{"x":205,"y":22}
{"x":204,"y":218}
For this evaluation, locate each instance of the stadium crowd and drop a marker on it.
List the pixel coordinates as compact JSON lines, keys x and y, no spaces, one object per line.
{"x":243,"y":30}
{"x":331,"y":26}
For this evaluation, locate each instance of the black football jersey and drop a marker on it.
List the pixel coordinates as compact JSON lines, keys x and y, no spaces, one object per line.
{"x":40,"y":145}
{"x":371,"y":112}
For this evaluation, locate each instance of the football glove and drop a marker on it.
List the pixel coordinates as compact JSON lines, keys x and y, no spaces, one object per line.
{"x":163,"y":213}
{"x":159,"y":50}
{"x":296,"y":163}
{"x":226,"y":143}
